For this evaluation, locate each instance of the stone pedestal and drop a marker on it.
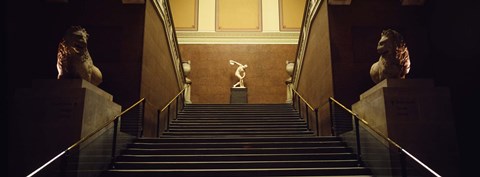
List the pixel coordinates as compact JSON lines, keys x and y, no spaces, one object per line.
{"x":54,"y":114}
{"x":418,"y":116}
{"x":238,"y":95}
{"x":78,"y":103}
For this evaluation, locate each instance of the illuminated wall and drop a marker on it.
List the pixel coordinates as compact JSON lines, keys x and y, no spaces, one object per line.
{"x":247,"y":31}
{"x":213,"y":76}
{"x":238,"y":15}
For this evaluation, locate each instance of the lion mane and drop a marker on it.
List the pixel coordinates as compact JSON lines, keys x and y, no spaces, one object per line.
{"x":73,"y":58}
{"x":394,"y":61}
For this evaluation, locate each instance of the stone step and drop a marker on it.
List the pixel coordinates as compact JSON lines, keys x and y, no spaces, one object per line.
{"x":249,"y":144}
{"x":256,"y":133}
{"x":198,"y":151}
{"x":236,"y":120}
{"x":235,"y":157}
{"x":271,"y":129}
{"x":226,"y":115}
{"x":238,"y":140}
{"x":237,"y":164}
{"x":236,"y":123}
{"x":257,"y":172}
{"x":318,"y":140}
{"x":173,"y":126}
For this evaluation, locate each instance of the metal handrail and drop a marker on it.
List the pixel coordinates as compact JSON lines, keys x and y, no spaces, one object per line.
{"x":315,"y":110}
{"x":385,"y":137}
{"x":366,"y":123}
{"x":85,"y":138}
{"x":173,"y":99}
{"x":105,"y":125}
{"x":309,"y":106}
{"x":168,"y":112}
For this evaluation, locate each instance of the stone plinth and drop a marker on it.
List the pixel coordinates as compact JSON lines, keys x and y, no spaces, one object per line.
{"x":52,"y":115}
{"x":238,"y":95}
{"x":79,"y":100}
{"x":65,"y":110}
{"x":418,"y":116}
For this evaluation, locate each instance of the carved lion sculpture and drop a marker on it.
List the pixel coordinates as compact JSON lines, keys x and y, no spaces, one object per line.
{"x":73,"y":59}
{"x":394,"y":61}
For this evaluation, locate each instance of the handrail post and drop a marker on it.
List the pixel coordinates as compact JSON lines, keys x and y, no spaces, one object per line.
{"x":114,"y":142}
{"x":403,"y":163}
{"x":158,"y":123}
{"x":357,"y":135}
{"x":299,"y":107}
{"x":293,"y":100}
{"x":332,"y":125}
{"x":299,"y":103}
{"x":142,"y":117}
{"x":168,"y":118}
{"x":316,"y":121}
{"x":176,"y":107}
{"x":183,"y":101}
{"x":306,"y":117}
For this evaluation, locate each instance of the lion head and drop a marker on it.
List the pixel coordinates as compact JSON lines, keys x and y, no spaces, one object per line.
{"x":73,"y":58}
{"x":389,"y":41}
{"x":394,"y":59}
{"x":76,"y":38}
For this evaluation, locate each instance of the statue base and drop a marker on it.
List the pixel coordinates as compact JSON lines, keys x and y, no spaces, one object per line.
{"x":238,"y":95}
{"x":416,"y":115}
{"x":53,"y":114}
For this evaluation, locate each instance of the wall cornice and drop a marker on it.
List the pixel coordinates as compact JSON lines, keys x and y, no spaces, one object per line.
{"x":185,"y":37}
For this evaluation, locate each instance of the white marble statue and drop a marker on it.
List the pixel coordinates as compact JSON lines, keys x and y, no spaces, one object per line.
{"x":288,"y":82}
{"x":188,"y":87}
{"x":240,"y":73}
{"x":394,"y":61}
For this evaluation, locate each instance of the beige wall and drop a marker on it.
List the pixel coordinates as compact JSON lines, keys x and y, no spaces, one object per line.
{"x":270,"y":15}
{"x":291,"y":14}
{"x":184,"y":13}
{"x":315,"y":82}
{"x":213,"y":76}
{"x":244,"y":15}
{"x":159,"y":83}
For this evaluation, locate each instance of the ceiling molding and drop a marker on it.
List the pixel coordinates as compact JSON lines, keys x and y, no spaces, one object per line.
{"x":184,"y":37}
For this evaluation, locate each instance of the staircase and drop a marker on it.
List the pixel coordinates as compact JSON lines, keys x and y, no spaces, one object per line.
{"x":238,"y":140}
